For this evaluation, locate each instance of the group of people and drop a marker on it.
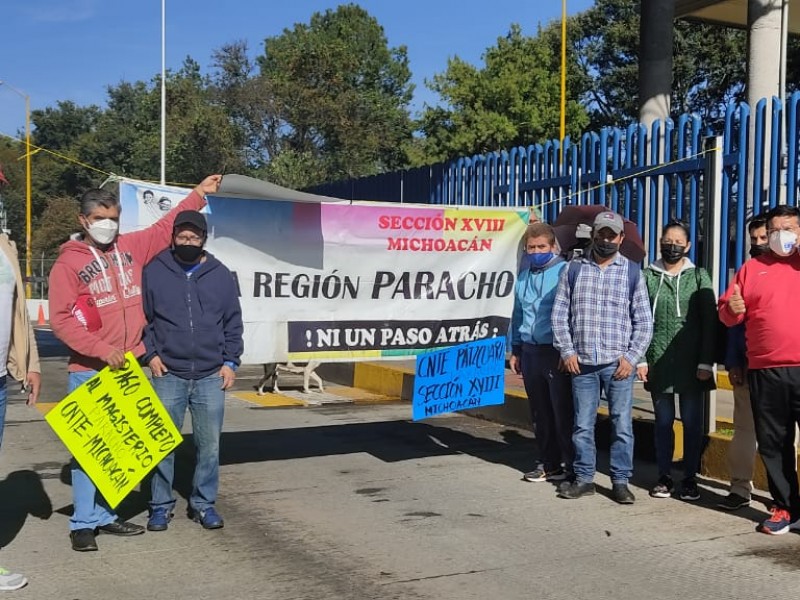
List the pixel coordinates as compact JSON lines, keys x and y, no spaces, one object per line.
{"x":158,"y":294}
{"x":598,"y":322}
{"x":580,"y":327}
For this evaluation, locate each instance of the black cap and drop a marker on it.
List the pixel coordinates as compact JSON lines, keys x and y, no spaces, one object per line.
{"x":191,"y":217}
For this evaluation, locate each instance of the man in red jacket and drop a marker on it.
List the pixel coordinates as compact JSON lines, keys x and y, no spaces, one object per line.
{"x":96,"y":310}
{"x":764,"y":296}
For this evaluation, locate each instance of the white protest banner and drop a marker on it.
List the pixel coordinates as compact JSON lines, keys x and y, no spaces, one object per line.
{"x":347,"y":281}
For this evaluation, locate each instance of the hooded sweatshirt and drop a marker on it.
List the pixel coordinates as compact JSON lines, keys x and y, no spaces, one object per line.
{"x":194,"y":321}
{"x":533,"y":304}
{"x":684,"y":328}
{"x":111,"y":281}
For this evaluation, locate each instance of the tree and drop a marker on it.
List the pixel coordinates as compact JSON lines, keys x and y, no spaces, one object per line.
{"x":708,"y":69}
{"x":59,"y":220}
{"x":249,"y":102}
{"x":512,"y":100}
{"x":342,"y":95}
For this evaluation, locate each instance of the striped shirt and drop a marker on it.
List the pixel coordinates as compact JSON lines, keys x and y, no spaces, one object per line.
{"x":597,"y":320}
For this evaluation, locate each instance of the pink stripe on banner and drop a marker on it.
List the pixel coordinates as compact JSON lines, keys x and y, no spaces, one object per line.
{"x":343,"y":222}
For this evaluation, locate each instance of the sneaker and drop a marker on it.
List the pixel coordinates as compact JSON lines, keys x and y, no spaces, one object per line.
{"x":120,"y":527}
{"x":663,"y":489}
{"x":778,"y":524}
{"x":733,"y":502}
{"x":541,"y":474}
{"x":575,"y":490}
{"x":559,"y":474}
{"x":83,"y":540}
{"x":159,"y":519}
{"x":689,"y":490}
{"x":621,"y":494}
{"x":11,"y":581}
{"x":537,"y":475}
{"x":209,"y":518}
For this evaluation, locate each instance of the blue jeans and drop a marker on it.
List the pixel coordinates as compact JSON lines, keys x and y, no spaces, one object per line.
{"x":90,"y":508}
{"x":691,"y":404}
{"x":3,"y":403}
{"x":586,"y":393}
{"x":205,"y":399}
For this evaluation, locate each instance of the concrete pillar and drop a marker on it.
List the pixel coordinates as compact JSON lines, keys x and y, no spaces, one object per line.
{"x":655,"y":86}
{"x":763,"y":74}
{"x":655,"y":59}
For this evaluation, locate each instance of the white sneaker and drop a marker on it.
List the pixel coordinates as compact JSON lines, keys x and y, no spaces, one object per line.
{"x":11,"y":581}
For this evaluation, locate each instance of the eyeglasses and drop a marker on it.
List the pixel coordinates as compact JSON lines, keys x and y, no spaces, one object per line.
{"x":184,"y":238}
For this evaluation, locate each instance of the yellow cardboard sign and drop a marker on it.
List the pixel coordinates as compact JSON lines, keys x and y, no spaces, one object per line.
{"x":116,"y":428}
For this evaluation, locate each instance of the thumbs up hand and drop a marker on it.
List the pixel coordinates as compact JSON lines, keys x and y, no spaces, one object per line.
{"x":736,"y":302}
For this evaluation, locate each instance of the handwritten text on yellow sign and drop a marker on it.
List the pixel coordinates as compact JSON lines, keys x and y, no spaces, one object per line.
{"x":116,"y":428}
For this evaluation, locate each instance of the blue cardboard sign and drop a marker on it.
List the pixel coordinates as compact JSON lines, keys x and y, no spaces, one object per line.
{"x":464,"y":376}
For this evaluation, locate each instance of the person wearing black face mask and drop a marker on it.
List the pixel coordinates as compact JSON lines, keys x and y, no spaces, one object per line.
{"x":601,"y":328}
{"x":193,"y":343}
{"x":742,"y":449}
{"x":680,"y":357}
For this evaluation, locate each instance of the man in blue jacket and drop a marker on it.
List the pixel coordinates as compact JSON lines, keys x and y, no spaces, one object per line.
{"x":193,"y":341}
{"x":549,"y":389}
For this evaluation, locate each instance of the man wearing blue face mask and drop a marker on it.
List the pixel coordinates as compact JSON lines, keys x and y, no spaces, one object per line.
{"x":549,"y":390}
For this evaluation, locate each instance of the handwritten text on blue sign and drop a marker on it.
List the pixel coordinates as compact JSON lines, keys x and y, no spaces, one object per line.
{"x":465,"y":376}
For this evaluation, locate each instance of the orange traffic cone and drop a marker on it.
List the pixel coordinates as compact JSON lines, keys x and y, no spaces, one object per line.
{"x":40,"y":320}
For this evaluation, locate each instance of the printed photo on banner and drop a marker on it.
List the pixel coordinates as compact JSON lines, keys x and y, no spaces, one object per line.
{"x":461,"y":377}
{"x":116,"y":428}
{"x":145,"y":203}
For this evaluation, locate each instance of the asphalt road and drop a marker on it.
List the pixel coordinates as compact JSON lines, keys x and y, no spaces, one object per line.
{"x":345,"y":501}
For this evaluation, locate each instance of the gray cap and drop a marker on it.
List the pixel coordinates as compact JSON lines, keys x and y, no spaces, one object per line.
{"x":611,"y":220}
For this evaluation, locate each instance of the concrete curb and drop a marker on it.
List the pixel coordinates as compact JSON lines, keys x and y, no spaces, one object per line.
{"x":397,"y":381}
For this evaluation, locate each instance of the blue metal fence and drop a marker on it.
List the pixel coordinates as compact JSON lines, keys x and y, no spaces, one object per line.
{"x":648,"y":175}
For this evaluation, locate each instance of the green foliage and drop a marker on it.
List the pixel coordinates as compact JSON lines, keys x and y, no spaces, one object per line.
{"x":514,"y":99}
{"x":708,"y":64}
{"x":341,"y":96}
{"x":58,"y":221}
{"x":329,"y":100}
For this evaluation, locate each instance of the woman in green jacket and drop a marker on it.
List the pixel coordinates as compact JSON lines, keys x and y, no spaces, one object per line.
{"x":680,"y":357}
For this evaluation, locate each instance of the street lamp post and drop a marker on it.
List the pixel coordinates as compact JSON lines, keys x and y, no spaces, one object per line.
{"x":27,"y":185}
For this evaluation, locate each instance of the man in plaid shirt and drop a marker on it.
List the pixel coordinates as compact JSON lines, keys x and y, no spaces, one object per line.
{"x":602,"y":325}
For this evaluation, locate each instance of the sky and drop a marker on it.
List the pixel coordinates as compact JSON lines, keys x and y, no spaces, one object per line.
{"x":56,"y":50}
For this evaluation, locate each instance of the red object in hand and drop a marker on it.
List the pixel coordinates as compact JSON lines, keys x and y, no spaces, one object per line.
{"x":85,"y":311}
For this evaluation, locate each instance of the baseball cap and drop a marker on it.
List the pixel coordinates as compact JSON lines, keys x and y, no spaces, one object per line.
{"x":191,"y":217}
{"x":611,"y":220}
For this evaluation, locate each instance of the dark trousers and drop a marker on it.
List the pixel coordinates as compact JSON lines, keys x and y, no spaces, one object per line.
{"x":775,"y":397}
{"x":550,"y":397}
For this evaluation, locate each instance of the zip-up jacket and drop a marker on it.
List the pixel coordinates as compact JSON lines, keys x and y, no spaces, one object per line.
{"x":770,"y":287}
{"x":194,"y":321}
{"x":23,"y":355}
{"x":113,"y":281}
{"x":684,"y":328}
{"x":533,"y":305}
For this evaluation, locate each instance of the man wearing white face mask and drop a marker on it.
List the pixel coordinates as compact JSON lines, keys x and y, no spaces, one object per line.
{"x":96,"y":310}
{"x":764,"y":296}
